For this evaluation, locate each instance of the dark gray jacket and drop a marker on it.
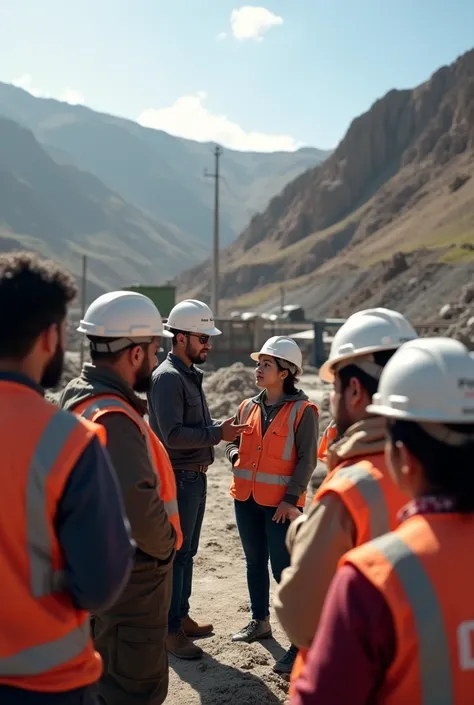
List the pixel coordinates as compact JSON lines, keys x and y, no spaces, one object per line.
{"x":179,"y":414}
{"x":306,"y":441}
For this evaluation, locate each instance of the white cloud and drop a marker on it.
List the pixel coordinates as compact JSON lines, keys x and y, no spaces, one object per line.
{"x":69,"y":95}
{"x":188,"y":117}
{"x":72,"y":96}
{"x":26,"y":82}
{"x":251,"y":22}
{"x":222,"y":35}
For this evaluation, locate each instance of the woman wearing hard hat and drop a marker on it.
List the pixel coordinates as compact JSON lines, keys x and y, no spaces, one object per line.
{"x":272,"y":464}
{"x":398,"y":622}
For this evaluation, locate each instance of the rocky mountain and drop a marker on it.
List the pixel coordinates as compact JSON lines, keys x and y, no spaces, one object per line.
{"x":160,"y":174}
{"x":387,"y":215}
{"x":62,"y":212}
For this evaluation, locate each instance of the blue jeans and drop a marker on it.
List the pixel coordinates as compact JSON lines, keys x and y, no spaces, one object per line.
{"x":261,"y":539}
{"x":191,"y":493}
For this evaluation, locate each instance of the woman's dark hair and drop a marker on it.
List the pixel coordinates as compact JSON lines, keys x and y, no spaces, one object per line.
{"x":370,"y":384}
{"x":449,"y":470}
{"x":290,"y":381}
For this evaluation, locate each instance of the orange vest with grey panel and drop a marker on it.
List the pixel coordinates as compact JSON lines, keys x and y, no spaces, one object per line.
{"x":94,"y":408}
{"x":424,"y":572}
{"x":266,"y":462}
{"x":45,"y":642}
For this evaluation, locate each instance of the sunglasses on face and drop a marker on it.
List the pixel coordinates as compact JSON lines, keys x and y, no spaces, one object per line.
{"x":203,"y":339}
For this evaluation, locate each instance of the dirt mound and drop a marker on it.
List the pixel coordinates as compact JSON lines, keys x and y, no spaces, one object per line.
{"x":227,"y":387}
{"x":461,"y":313}
{"x":324,"y":413}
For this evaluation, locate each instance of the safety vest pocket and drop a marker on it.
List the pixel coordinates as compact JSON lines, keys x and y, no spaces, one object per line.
{"x":280,"y":446}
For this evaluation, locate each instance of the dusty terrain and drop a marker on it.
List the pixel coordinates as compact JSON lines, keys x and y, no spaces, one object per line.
{"x":229,"y":673}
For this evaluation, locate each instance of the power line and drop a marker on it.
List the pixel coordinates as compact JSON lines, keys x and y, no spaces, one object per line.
{"x":215,"y":248}
{"x":83,"y":304}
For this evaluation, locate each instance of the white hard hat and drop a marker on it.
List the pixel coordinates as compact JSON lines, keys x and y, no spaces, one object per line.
{"x":284,"y":348}
{"x":428,"y":380}
{"x":364,"y":333}
{"x":191,"y":316}
{"x":124,"y":315}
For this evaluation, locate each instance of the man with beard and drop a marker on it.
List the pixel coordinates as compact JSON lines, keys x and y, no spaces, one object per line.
{"x":179,"y":415}
{"x":64,"y":541}
{"x":124,"y":330}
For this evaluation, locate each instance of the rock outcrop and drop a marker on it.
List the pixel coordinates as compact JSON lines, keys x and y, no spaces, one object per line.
{"x":392,"y":160}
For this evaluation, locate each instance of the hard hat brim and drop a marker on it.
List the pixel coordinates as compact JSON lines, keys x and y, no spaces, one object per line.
{"x":326,"y":371}
{"x":89,"y":331}
{"x":212,"y":332}
{"x":386,"y":411}
{"x":422,"y":416}
{"x":256,"y":355}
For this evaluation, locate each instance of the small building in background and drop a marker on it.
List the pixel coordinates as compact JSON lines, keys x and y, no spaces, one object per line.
{"x":164,"y":297}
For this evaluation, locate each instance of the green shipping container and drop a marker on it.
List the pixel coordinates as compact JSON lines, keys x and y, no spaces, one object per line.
{"x":164,"y":297}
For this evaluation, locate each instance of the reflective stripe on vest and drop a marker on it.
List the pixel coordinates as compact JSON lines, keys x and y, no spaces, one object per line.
{"x":263,"y":477}
{"x":44,"y":580}
{"x":435,"y":677}
{"x":372,"y":493}
{"x":290,"y":439}
{"x":100,"y":404}
{"x":171,"y":507}
{"x":44,"y":657}
{"x":245,"y":411}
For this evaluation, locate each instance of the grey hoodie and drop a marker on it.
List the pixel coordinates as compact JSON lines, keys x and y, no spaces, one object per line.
{"x":306,"y":441}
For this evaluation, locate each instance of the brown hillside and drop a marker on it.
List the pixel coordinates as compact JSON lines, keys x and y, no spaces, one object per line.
{"x":398,"y":181}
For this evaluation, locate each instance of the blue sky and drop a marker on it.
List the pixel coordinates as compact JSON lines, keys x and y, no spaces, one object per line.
{"x":269,"y":75}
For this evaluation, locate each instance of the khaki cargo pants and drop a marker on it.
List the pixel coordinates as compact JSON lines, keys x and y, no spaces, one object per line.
{"x":131,"y":638}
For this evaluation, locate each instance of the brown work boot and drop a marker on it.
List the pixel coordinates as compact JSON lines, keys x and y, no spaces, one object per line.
{"x":180,"y":646}
{"x":192,"y":628}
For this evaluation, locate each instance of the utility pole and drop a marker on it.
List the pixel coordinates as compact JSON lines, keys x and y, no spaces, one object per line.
{"x":83,"y":303}
{"x":215,"y":247}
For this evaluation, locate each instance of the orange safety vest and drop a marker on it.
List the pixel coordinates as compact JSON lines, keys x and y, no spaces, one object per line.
{"x":95,"y":407}
{"x":424,"y":572}
{"x":369,"y":494}
{"x":45,"y":642}
{"x":373,"y":501}
{"x":328,"y":437}
{"x":266,"y":464}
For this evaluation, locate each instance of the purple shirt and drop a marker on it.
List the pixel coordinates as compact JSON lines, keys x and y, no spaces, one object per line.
{"x":354,"y":645}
